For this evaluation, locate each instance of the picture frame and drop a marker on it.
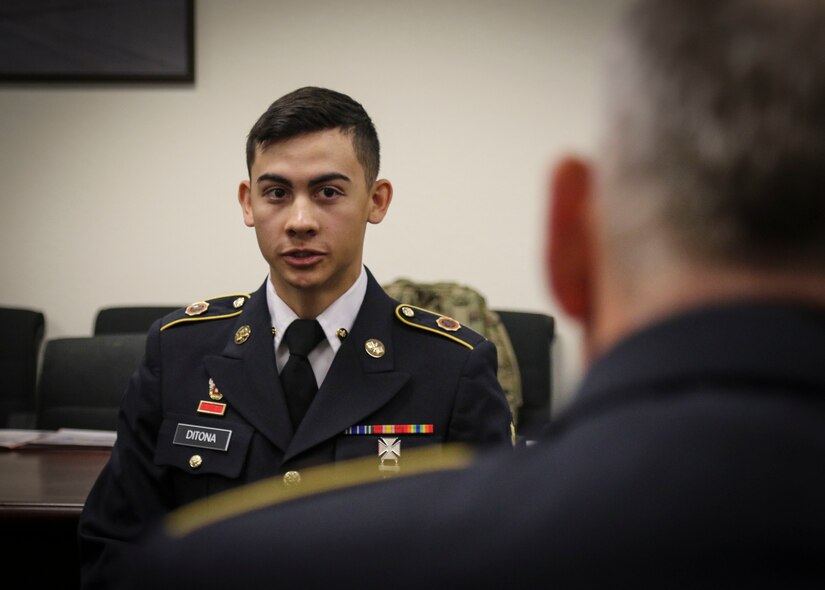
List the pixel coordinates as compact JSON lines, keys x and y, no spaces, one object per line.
{"x":97,"y":41}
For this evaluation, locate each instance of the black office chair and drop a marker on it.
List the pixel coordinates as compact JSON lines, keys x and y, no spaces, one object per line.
{"x":82,"y":380}
{"x":129,"y":319}
{"x":532,"y":335}
{"x":20,"y":342}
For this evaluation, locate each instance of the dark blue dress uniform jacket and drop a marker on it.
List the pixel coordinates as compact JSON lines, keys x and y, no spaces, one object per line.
{"x":422,"y":378}
{"x":693,"y":456}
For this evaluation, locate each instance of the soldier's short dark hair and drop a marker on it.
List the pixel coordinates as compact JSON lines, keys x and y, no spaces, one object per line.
{"x":311,"y":109}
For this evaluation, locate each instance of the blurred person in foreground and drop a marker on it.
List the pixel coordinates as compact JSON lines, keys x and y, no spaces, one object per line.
{"x":692,"y":251}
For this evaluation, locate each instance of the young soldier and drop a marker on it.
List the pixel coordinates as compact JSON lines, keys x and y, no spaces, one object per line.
{"x":229,"y":392}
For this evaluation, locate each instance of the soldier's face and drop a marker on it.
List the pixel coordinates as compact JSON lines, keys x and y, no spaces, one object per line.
{"x":309,"y":204}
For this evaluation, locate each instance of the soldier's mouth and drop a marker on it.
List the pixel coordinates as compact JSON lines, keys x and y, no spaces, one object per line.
{"x":302,"y":258}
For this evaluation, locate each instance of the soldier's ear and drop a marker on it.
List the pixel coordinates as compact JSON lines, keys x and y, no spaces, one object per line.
{"x":380,"y":199}
{"x":245,"y":199}
{"x":569,"y":241}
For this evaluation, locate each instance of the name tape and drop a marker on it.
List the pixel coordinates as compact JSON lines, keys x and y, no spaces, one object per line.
{"x":203,"y":437}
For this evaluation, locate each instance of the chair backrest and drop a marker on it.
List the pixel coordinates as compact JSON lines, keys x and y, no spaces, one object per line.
{"x":82,"y":380}
{"x":532,"y":335}
{"x":21,"y":337}
{"x":129,"y":319}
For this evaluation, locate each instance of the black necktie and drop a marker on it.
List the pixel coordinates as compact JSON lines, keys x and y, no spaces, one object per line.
{"x":297,"y":377}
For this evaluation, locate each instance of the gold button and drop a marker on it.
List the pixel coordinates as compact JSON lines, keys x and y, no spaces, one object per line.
{"x":242,"y":335}
{"x":407,"y":311}
{"x":292,"y":478}
{"x":239,"y":302}
{"x":374,"y":348}
{"x":195,"y":461}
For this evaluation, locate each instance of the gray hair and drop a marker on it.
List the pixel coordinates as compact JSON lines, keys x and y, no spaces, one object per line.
{"x":715,"y":143}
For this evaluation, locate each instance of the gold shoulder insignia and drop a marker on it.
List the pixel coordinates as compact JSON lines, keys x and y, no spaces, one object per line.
{"x":217,"y":308}
{"x":314,"y":480}
{"x":436,"y":323}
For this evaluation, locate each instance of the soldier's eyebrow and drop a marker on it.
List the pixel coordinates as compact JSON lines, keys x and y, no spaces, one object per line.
{"x":328,"y":177}
{"x":268,"y":177}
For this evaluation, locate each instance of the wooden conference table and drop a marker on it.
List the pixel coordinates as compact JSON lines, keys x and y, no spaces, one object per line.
{"x":42,"y":492}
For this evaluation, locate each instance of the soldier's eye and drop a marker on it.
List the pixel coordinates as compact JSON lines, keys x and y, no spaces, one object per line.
{"x":330,"y":192}
{"x":275,"y":192}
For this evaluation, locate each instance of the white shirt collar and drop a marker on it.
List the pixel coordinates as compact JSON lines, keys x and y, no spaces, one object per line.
{"x":340,"y":314}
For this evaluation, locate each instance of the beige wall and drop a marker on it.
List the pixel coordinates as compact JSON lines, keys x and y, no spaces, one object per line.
{"x":118,"y":195}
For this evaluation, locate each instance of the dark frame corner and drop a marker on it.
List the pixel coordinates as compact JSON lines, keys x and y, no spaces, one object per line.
{"x":96,"y":69}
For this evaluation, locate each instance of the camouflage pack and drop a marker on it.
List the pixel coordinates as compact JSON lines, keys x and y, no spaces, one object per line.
{"x":466,"y":305}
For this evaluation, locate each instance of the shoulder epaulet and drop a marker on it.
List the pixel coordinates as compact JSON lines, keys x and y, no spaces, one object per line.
{"x":316,"y":480}
{"x":443,"y":325}
{"x":217,"y":308}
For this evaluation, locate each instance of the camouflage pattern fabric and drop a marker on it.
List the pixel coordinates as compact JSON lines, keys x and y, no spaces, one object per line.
{"x":468,"y":307}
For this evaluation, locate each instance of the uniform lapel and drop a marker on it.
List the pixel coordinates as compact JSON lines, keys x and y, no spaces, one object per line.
{"x":357,"y":384}
{"x":245,"y":374}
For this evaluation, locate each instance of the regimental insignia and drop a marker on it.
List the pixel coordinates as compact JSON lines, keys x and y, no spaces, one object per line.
{"x":197,"y":308}
{"x":242,"y":335}
{"x":213,"y":391}
{"x":215,"y":408}
{"x":375,"y":348}
{"x":389,"y":454}
{"x":341,"y":333}
{"x":448,"y":324}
